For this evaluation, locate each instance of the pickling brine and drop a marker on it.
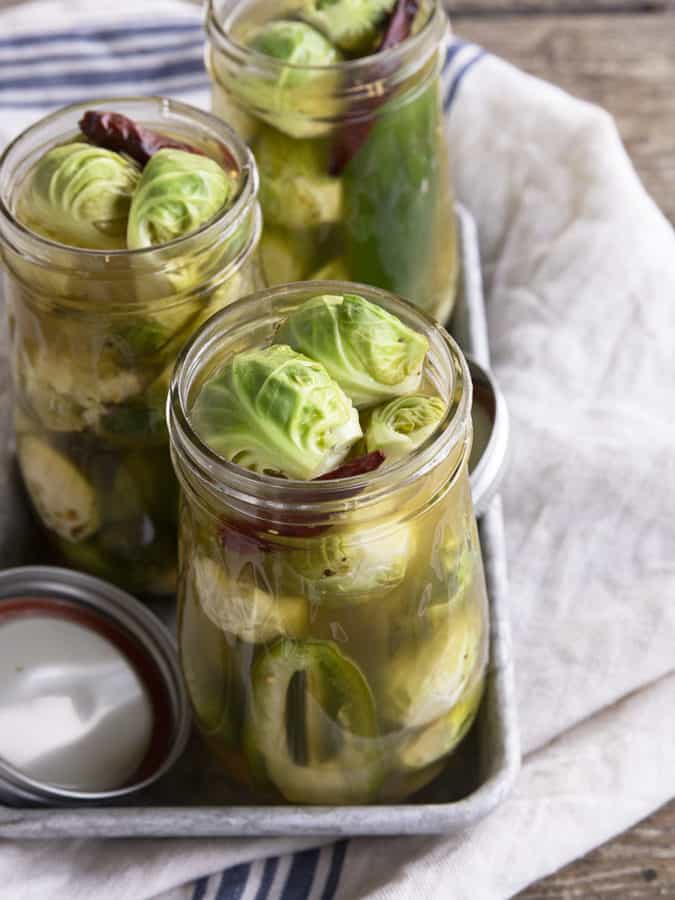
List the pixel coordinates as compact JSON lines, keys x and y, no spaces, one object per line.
{"x":122,"y":231}
{"x":341,"y":104}
{"x":333,"y":623}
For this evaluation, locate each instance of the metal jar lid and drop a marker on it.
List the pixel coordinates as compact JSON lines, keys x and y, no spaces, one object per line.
{"x":92,"y":702}
{"x":489,"y":453}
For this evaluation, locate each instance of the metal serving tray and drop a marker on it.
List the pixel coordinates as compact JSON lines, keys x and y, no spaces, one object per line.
{"x":194,"y":799}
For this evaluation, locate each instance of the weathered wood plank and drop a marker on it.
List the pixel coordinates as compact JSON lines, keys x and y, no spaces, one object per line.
{"x":581,"y":7}
{"x":625,"y":63}
{"x":638,"y":865}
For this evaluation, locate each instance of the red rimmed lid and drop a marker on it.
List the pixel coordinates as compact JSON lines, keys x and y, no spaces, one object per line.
{"x":91,"y":702}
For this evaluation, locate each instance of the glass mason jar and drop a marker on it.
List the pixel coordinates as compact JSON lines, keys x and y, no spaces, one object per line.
{"x":353,"y":162}
{"x":334,"y":634}
{"x":93,"y":338}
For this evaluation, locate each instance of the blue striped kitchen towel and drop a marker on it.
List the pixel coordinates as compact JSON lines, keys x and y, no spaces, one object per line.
{"x":575,"y":255}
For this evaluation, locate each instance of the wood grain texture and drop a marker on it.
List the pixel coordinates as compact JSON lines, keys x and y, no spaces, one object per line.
{"x":638,"y":865}
{"x":626,"y":63}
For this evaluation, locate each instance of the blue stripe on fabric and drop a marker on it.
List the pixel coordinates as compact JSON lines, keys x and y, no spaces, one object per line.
{"x":97,"y":34}
{"x":300,"y":878}
{"x":200,"y":888}
{"x":459,"y":77}
{"x":339,"y":853}
{"x":233,"y":882}
{"x":84,"y":55}
{"x":453,"y":49}
{"x":269,"y":872}
{"x":86,"y":79}
{"x":42,"y":103}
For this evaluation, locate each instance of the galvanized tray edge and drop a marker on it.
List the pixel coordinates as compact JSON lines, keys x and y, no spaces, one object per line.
{"x":498,"y":721}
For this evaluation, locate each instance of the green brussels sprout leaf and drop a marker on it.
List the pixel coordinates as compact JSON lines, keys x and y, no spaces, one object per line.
{"x":398,"y":427}
{"x":177,"y":194}
{"x":80,"y":195}
{"x":274,"y":411}
{"x":369,"y":352}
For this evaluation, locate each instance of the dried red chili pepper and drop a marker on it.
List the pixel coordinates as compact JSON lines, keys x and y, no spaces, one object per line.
{"x":361,"y":465}
{"x":246,"y":538}
{"x":353,"y":135}
{"x":121,"y":134}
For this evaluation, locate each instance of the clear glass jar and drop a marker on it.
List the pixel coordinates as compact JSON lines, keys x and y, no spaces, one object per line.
{"x":333,"y":635}
{"x":93,"y":338}
{"x":383,"y":217}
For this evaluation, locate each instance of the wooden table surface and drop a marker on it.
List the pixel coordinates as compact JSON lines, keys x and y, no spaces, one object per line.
{"x":619,"y":54}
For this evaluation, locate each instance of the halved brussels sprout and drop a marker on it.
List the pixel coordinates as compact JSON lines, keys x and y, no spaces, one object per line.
{"x":80,"y":195}
{"x":63,"y":496}
{"x":69,"y":385}
{"x":321,"y":749}
{"x":177,"y":194}
{"x":442,"y":736}
{"x":240,"y":607}
{"x":425,"y":678}
{"x":352,"y":25}
{"x":352,"y":567}
{"x":296,"y":190}
{"x":284,"y":255}
{"x":403,"y":424}
{"x":369,"y":352}
{"x":275,"y":411}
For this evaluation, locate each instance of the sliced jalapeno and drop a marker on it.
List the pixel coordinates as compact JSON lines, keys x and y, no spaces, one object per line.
{"x":312,"y":724}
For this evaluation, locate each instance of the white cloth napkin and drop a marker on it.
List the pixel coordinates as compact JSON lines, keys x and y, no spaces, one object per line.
{"x":580,"y":278}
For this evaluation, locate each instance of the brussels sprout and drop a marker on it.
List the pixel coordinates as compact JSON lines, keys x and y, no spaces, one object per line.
{"x":332,"y":761}
{"x":403,"y":424}
{"x":295,"y":43}
{"x":369,"y":352}
{"x":63,"y":496}
{"x":443,"y":735}
{"x":425,"y":677}
{"x":240,"y":607}
{"x":80,"y":195}
{"x":353,"y":567}
{"x":69,"y":387}
{"x":284,"y":255}
{"x":302,"y":100}
{"x":296,"y":190}
{"x":177,"y":194}
{"x":275,"y":411}
{"x":352,"y":25}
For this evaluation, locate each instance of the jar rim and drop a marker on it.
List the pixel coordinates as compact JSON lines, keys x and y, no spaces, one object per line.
{"x":220,"y":226}
{"x":389,"y":60}
{"x":273,"y":493}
